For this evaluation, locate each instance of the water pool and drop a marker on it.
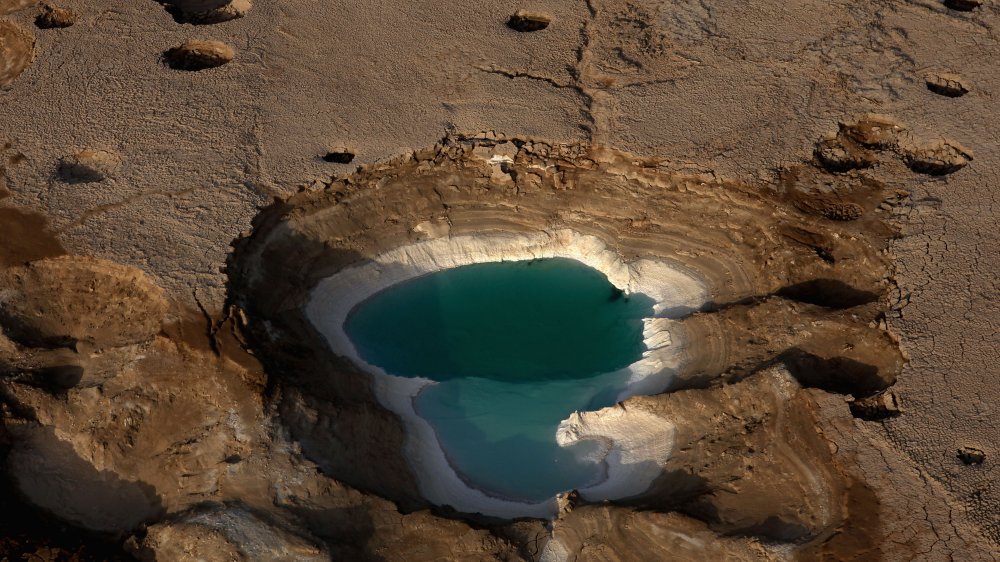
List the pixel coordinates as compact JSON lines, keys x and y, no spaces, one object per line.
{"x":514,"y":348}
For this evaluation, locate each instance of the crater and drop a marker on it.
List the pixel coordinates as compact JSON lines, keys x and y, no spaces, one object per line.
{"x":473,"y":326}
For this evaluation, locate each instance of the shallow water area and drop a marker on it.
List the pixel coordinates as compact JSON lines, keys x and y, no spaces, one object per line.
{"x":514,"y":347}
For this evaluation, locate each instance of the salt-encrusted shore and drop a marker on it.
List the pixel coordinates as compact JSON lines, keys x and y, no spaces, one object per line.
{"x":632,"y":453}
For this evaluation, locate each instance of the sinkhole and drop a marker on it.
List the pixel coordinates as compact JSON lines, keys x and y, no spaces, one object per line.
{"x":508,"y":351}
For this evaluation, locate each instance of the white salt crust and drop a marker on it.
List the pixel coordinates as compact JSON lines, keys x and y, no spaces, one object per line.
{"x":635,"y":443}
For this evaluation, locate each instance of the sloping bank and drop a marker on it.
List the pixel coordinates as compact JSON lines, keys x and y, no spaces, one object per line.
{"x":730,"y":270}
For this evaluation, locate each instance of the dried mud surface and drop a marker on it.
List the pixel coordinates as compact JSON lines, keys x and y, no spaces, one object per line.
{"x":827,"y":168}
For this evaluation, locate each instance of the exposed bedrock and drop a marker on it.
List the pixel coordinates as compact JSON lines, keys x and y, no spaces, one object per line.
{"x":820,"y":348}
{"x":64,"y":301}
{"x":778,"y":277}
{"x":748,"y":464}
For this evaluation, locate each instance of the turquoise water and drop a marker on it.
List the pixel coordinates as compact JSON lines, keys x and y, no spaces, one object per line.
{"x":516,"y":347}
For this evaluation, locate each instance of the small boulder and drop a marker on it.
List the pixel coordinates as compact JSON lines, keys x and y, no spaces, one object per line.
{"x":196,"y":54}
{"x":836,"y":154}
{"x":939,"y":159}
{"x":89,"y":166}
{"x":526,"y":22}
{"x":971,"y":455}
{"x":873,"y":131}
{"x":948,"y":85}
{"x":207,"y":12}
{"x":339,"y":155}
{"x":879,"y":407}
{"x":55,"y":18}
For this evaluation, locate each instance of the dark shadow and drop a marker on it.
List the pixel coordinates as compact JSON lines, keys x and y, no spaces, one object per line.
{"x":527,"y":22}
{"x":55,"y":380}
{"x":934,"y":167}
{"x":697,"y":504}
{"x":963,"y":5}
{"x":207,"y":17}
{"x":841,"y":375}
{"x":670,"y":491}
{"x":828,"y":293}
{"x":25,"y":530}
{"x":191,"y":59}
{"x":346,"y":531}
{"x":678,"y":312}
{"x":876,"y":408}
{"x":73,"y":173}
{"x":176,"y":13}
{"x":270,"y":280}
{"x":947,"y":90}
{"x":24,"y":334}
{"x":339,"y":157}
{"x":773,"y":528}
{"x":53,"y":477}
{"x":971,"y":455}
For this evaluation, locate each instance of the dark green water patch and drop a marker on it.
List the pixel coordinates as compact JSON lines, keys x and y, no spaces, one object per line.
{"x":526,"y":321}
{"x":514,"y":348}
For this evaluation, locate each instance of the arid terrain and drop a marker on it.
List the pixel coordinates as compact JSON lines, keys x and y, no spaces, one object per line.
{"x":177,"y":178}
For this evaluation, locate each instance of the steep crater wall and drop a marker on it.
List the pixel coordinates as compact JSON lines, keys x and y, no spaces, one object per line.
{"x":781,"y":281}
